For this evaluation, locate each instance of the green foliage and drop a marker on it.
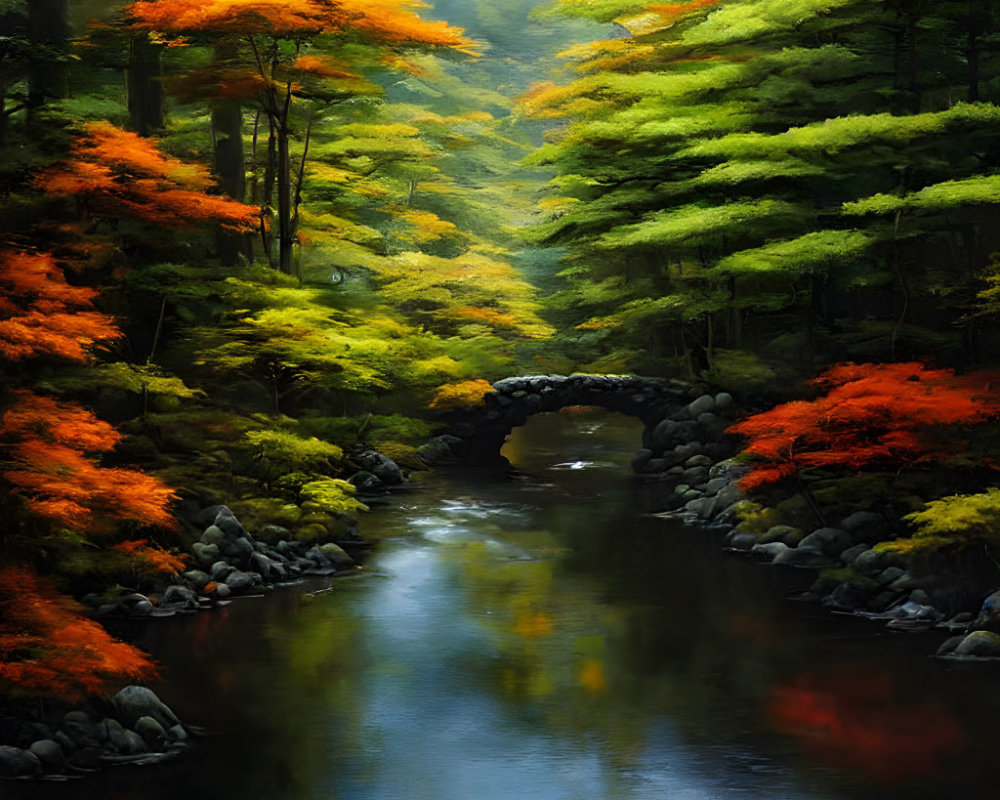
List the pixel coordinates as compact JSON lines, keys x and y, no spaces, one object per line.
{"x":951,"y":523}
{"x":333,"y":496}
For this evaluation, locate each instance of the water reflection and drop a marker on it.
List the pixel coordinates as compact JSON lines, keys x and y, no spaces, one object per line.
{"x":538,"y":637}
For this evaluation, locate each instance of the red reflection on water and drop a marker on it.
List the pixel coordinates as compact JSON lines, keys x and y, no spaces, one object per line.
{"x":854,"y":719}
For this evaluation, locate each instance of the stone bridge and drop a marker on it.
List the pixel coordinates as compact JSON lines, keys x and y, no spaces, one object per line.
{"x":674,"y":414}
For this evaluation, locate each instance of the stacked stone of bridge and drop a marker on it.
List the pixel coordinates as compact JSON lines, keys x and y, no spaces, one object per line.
{"x":674,"y":413}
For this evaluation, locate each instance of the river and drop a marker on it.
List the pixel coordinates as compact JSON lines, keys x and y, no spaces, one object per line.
{"x":539,"y":637}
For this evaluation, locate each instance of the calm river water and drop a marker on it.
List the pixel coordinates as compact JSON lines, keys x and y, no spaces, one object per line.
{"x":536,"y":637}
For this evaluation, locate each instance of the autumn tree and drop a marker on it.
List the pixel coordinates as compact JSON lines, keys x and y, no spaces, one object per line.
{"x":48,"y":648}
{"x":885,"y":417}
{"x":278,"y":49}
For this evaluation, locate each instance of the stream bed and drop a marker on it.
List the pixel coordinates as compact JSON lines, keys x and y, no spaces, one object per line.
{"x":539,"y":636}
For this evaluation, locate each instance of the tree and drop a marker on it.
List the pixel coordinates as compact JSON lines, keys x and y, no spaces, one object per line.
{"x":116,"y":174}
{"x":272,"y":40}
{"x":872,"y":417}
{"x":796,"y":177}
{"x":48,"y":648}
{"x":43,"y":315}
{"x":52,"y":460}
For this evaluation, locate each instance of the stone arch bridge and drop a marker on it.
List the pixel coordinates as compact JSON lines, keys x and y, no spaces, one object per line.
{"x":679,"y":419}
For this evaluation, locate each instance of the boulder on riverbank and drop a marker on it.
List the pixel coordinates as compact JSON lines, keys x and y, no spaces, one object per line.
{"x":136,"y":726}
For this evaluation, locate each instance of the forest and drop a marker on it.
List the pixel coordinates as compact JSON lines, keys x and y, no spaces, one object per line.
{"x":271,"y":255}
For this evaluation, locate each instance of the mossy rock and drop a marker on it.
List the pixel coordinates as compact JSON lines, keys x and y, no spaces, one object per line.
{"x":260,"y":511}
{"x":847,"y":575}
{"x":311,"y":531}
{"x":336,"y":554}
{"x":787,"y":534}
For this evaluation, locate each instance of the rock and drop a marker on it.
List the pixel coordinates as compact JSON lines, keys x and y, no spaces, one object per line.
{"x":847,"y":596}
{"x":948,"y":646}
{"x":869,"y":562}
{"x":695,"y":475}
{"x":197,"y":579}
{"x":656,"y":465}
{"x":979,"y":644}
{"x":239,"y":551}
{"x":239,"y":581}
{"x":205,"y":554}
{"x":804,"y":557}
{"x":851,"y":553}
{"x":213,"y":536}
{"x":231,"y":527}
{"x":365,"y":481}
{"x":715,"y":484}
{"x":988,"y":618}
{"x":222,"y":590}
{"x":81,"y":730}
{"x":152,"y":733}
{"x":336,"y":554}
{"x":222,"y":570}
{"x":769,"y":551}
{"x":782,"y":533}
{"x":920,"y":597}
{"x":116,"y":734}
{"x":16,"y":763}
{"x":738,"y":540}
{"x":89,"y":758}
{"x":905,"y":583}
{"x":178,"y":595}
{"x":382,"y":467}
{"x":273,"y":532}
{"x":50,"y":755}
{"x":698,"y":461}
{"x":262,"y":564}
{"x":889,"y":575}
{"x":832,"y":541}
{"x":134,"y":702}
{"x":681,"y":488}
{"x":177,"y":733}
{"x":702,"y":405}
{"x":723,"y":401}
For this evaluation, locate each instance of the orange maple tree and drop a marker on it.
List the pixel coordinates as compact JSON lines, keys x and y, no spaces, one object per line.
{"x":43,"y":315}
{"x":47,"y":646}
{"x":267,"y":40}
{"x":117,"y":174}
{"x":873,"y":415}
{"x":52,"y":459}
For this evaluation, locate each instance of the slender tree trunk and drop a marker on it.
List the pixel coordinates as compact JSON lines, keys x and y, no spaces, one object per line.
{"x":266,"y":232}
{"x":49,"y":31}
{"x":285,"y":234}
{"x":143,"y":86}
{"x":227,"y":134}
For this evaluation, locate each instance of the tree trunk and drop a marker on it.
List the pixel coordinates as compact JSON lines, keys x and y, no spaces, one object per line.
{"x":49,"y":32}
{"x":285,"y":235}
{"x":143,"y":86}
{"x":230,"y":163}
{"x":267,"y":198}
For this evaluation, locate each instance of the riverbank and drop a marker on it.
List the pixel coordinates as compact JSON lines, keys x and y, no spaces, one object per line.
{"x":854,"y":576}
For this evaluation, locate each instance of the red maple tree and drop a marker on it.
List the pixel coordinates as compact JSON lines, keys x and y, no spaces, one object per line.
{"x":872,"y":416}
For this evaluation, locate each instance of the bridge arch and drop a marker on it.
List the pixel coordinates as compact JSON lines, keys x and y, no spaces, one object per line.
{"x":672,"y":412}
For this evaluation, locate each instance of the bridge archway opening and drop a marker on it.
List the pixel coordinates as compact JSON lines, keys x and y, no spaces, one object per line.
{"x":574,"y":438}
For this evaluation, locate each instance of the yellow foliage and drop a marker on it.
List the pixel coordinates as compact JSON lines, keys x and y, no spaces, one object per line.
{"x":467,"y":394}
